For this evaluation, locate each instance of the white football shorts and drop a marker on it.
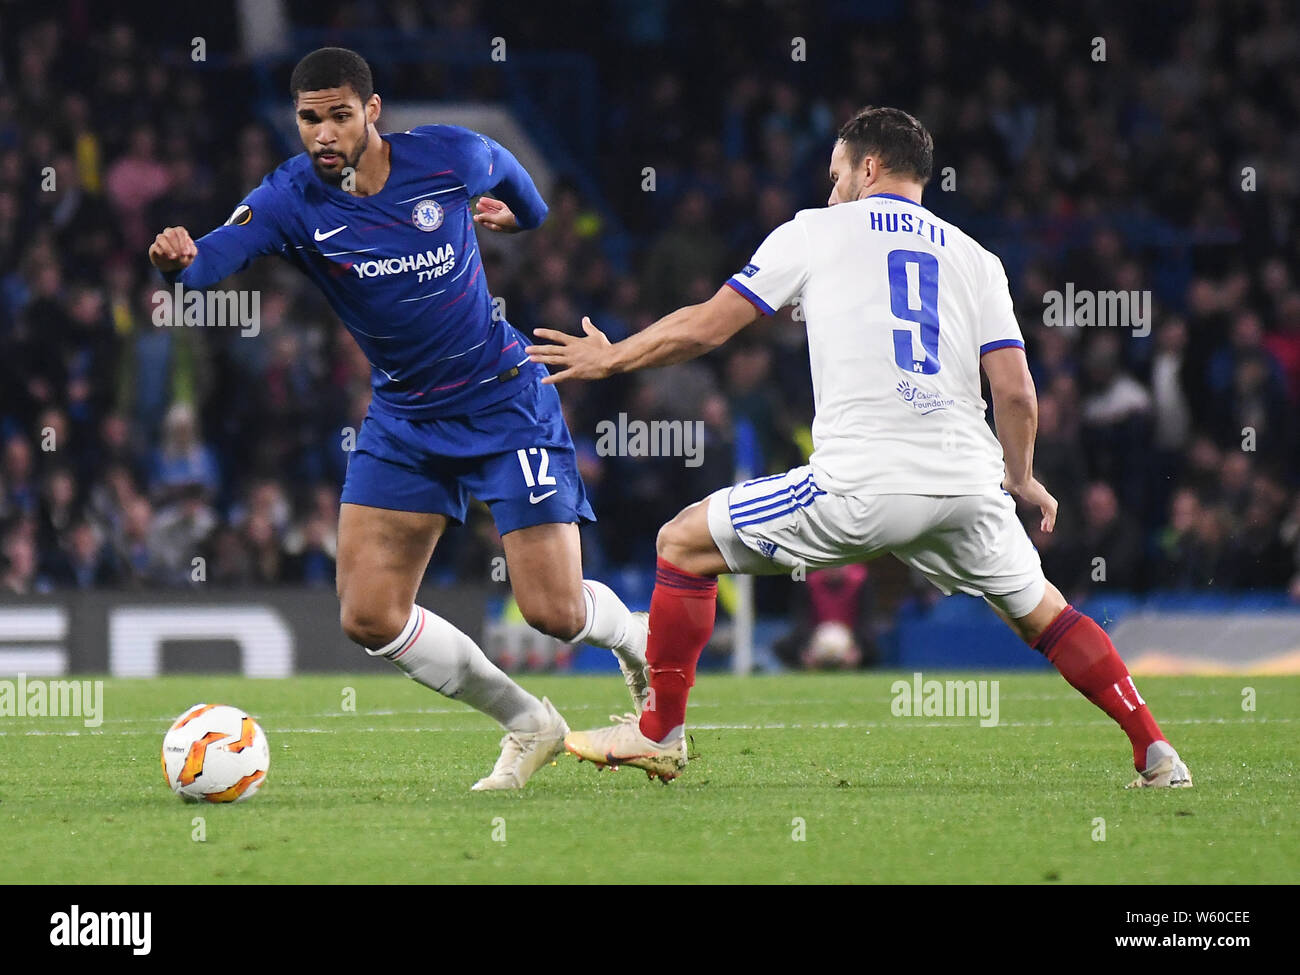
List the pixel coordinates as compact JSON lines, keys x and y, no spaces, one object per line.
{"x":965,"y":543}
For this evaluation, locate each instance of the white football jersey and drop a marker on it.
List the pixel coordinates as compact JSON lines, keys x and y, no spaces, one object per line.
{"x":899,"y":306}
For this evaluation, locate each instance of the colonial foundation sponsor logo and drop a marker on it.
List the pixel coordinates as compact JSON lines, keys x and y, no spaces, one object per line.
{"x":921,"y":400}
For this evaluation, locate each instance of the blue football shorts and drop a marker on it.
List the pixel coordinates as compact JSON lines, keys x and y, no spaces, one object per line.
{"x":516,"y":457}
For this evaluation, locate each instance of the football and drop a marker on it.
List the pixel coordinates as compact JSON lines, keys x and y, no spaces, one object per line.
{"x":831,"y":647}
{"x":215,"y":753}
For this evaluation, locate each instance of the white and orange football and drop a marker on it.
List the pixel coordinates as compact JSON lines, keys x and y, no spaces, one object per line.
{"x":215,"y":753}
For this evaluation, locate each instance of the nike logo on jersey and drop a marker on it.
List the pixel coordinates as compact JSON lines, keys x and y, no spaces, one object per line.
{"x":320,"y":236}
{"x":532,"y":499}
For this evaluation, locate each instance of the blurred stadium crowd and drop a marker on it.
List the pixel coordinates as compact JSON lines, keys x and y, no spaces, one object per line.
{"x":1171,"y":166}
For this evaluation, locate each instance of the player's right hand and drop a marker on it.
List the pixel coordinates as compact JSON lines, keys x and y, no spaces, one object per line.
{"x":173,"y":250}
{"x":1034,"y":493}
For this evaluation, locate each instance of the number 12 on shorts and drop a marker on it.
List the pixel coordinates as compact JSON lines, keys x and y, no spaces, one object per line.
{"x":914,"y":297}
{"x":544,"y":464}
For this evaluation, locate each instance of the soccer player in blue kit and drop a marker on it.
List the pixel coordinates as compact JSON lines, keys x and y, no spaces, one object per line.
{"x":383,"y":227}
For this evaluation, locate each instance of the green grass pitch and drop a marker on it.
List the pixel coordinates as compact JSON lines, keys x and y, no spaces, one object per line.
{"x":804,"y":778}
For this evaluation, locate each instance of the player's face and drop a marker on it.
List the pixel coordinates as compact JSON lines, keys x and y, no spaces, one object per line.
{"x":846,"y":182}
{"x":335,"y":129}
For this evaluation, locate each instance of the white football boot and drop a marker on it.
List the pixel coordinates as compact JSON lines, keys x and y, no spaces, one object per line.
{"x":637,"y":674}
{"x":1165,"y":770}
{"x":523,"y":754}
{"x":623,"y":744}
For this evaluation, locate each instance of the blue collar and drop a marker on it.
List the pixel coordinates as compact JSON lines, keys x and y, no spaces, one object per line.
{"x":895,"y":196}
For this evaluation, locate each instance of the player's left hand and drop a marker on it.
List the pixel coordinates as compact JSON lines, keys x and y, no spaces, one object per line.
{"x":1034,"y":493}
{"x":582,"y":356}
{"x":496,"y":216}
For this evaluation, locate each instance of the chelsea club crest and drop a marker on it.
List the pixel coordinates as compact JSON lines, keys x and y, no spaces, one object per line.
{"x":427,"y":215}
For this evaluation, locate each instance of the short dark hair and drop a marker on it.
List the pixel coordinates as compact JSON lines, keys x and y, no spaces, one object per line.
{"x":900,"y":142}
{"x":332,"y":67}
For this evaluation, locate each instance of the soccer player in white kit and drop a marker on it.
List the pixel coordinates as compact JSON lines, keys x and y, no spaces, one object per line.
{"x":903,"y":309}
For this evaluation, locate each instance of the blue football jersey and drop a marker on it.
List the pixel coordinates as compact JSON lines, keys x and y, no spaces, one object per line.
{"x":401,"y":268}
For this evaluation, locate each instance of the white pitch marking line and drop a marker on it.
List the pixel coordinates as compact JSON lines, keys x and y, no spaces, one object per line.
{"x":899,"y":723}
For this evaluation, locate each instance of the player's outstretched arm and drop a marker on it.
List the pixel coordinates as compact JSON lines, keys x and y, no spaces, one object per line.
{"x":1015,"y":413}
{"x":680,"y":335}
{"x":493,"y":167}
{"x":253,"y":229}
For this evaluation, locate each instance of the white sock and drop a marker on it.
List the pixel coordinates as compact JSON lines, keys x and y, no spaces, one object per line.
{"x":435,"y":653}
{"x":609,"y":622}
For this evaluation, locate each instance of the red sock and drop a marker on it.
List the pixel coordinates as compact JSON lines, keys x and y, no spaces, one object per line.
{"x":1083,"y":653}
{"x":681,"y":622}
